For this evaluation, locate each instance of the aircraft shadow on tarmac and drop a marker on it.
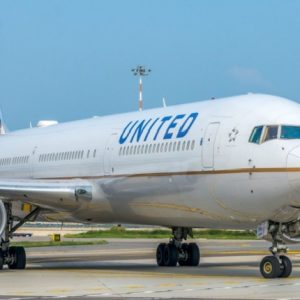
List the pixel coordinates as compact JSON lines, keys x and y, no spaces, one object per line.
{"x":205,"y":269}
{"x":113,"y":264}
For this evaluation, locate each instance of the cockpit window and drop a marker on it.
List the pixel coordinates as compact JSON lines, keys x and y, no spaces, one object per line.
{"x":290,"y":132}
{"x":256,"y":134}
{"x":271,"y":133}
{"x":261,"y":134}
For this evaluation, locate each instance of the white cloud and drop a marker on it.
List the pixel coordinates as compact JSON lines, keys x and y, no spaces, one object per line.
{"x":249,"y":77}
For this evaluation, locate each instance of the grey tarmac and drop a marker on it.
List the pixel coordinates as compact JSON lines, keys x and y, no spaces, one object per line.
{"x":127,"y":269}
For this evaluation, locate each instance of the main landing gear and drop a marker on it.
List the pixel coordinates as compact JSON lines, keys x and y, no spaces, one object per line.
{"x":13,"y":257}
{"x":185,"y":254}
{"x":277,"y":265}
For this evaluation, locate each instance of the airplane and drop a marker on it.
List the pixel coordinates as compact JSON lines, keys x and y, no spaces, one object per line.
{"x":230,"y":163}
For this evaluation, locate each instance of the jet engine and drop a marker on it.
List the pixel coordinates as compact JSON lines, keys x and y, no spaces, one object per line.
{"x":3,"y":218}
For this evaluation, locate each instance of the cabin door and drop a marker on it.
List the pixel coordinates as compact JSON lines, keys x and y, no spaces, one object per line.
{"x":108,"y":167}
{"x":208,"y":145}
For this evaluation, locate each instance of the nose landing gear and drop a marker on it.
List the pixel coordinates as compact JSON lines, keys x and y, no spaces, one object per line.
{"x":277,"y":265}
{"x":185,"y":254}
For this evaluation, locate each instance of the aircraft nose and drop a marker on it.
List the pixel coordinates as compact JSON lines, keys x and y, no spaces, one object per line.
{"x":293,"y":171}
{"x":293,"y":158}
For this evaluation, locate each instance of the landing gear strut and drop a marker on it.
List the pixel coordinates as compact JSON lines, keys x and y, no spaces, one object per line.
{"x":185,"y":254}
{"x":276,"y":265}
{"x":13,"y":257}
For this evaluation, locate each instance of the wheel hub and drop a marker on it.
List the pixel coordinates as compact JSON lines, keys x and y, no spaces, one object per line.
{"x":268,"y":267}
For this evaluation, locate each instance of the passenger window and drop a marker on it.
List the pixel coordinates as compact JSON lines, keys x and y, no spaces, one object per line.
{"x":193,"y":145}
{"x":271,"y":133}
{"x":162,"y":147}
{"x":166,"y":147}
{"x":154,"y":148}
{"x":174,"y":146}
{"x":256,"y":134}
{"x":188,"y":145}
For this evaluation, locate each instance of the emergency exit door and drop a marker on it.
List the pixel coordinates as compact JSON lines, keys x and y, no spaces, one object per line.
{"x":208,"y":145}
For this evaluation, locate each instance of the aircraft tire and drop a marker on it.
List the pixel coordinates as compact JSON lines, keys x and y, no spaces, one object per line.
{"x":170,"y":255}
{"x":286,"y":267}
{"x":19,"y":258}
{"x":160,"y":251}
{"x":1,"y":259}
{"x":270,"y":267}
{"x":184,"y":248}
{"x":193,"y":255}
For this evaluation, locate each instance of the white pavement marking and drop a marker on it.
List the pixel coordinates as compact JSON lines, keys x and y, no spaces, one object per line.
{"x":96,"y":295}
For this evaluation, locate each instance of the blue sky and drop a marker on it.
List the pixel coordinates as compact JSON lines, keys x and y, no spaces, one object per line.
{"x":69,"y":60}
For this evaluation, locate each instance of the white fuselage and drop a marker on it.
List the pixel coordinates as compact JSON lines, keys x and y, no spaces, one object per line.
{"x":187,"y":165}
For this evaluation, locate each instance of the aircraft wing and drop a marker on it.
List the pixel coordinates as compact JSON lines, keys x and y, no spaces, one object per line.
{"x":51,"y":194}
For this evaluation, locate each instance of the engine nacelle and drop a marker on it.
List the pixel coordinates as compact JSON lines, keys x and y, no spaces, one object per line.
{"x":3,"y":218}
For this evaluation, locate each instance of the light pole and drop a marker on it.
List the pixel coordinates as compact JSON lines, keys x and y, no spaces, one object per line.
{"x":140,"y":71}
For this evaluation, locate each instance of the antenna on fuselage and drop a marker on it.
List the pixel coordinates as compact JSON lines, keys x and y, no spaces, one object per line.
{"x":164,"y":102}
{"x":3,"y":129}
{"x":140,"y":71}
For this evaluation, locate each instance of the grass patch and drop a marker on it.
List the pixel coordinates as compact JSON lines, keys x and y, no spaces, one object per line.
{"x":28,"y":244}
{"x":225,"y":234}
{"x":121,"y":232}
